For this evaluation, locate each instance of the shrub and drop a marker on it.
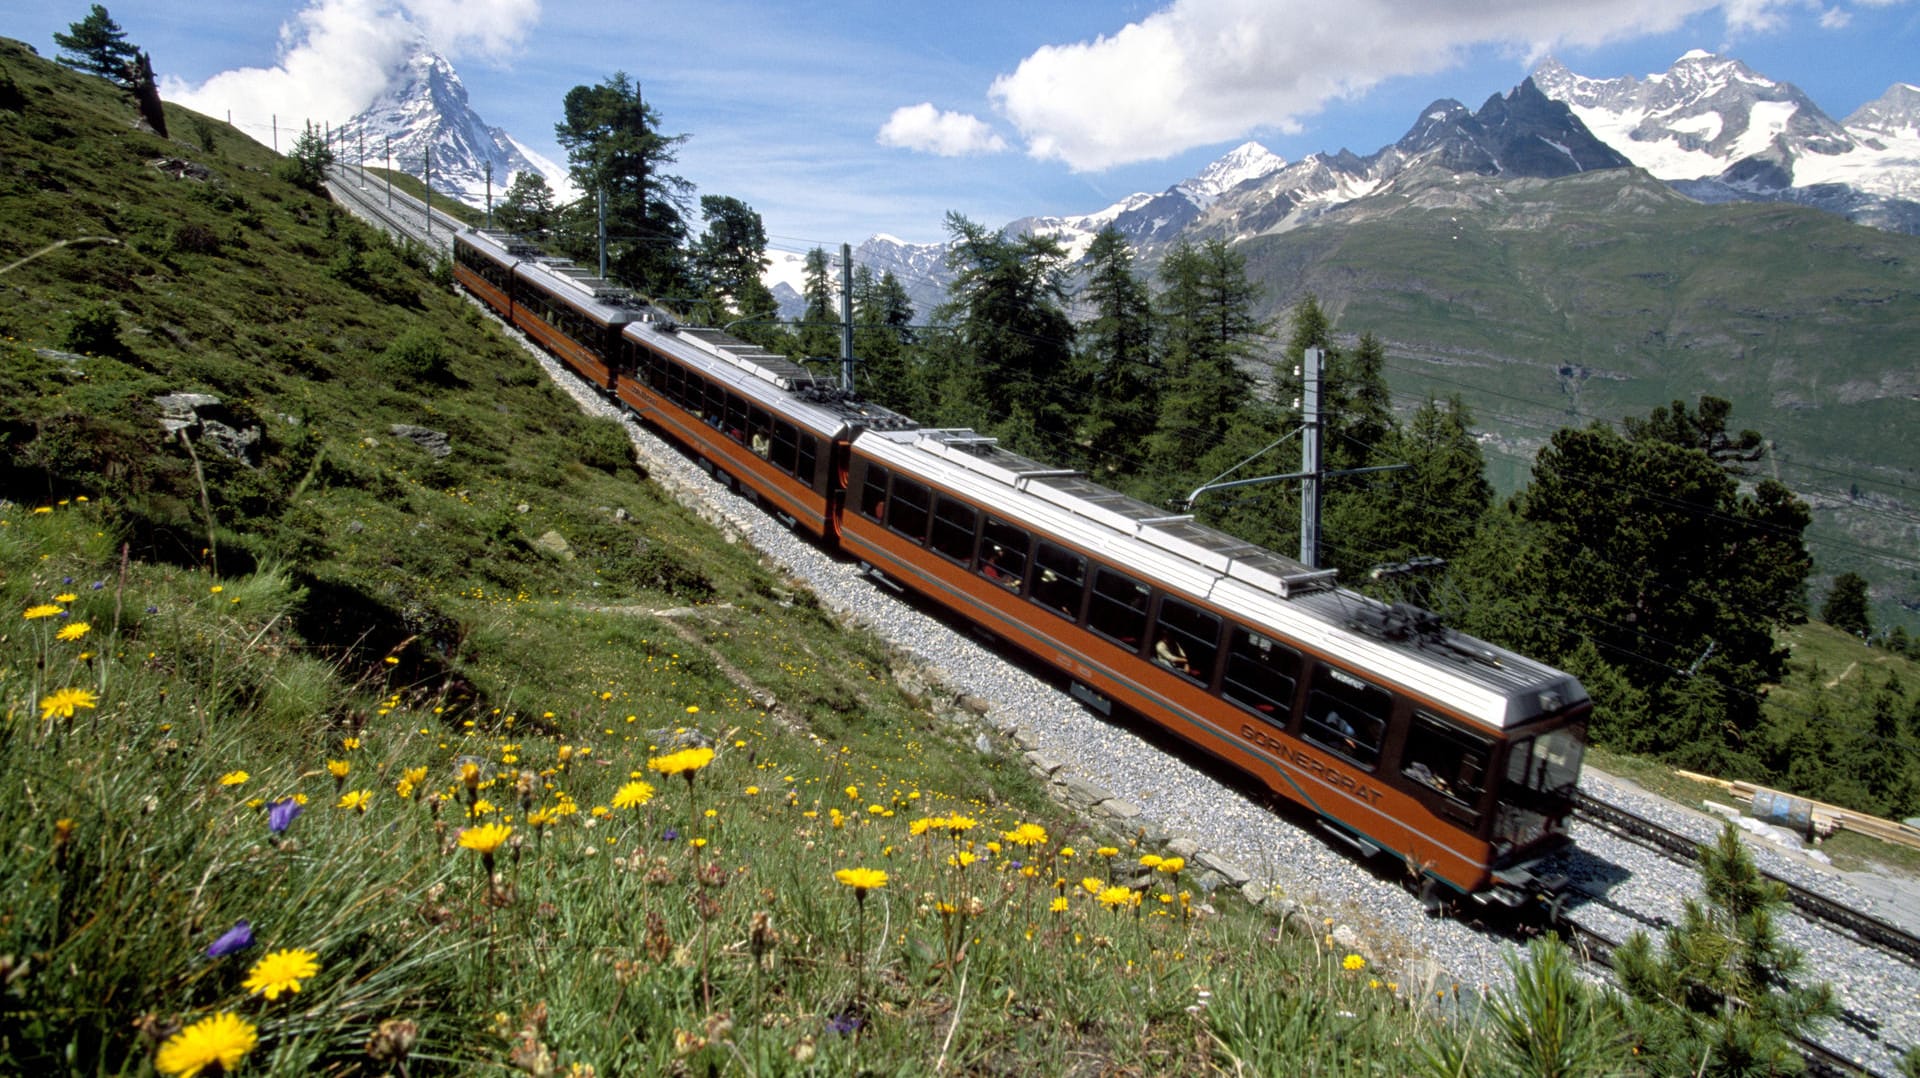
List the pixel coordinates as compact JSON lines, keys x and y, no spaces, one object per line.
{"x":92,"y":328}
{"x":418,"y":355}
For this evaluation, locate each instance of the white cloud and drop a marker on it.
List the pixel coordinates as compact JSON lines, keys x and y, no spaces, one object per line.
{"x":336,"y":56}
{"x":949,"y":134}
{"x":1205,"y":71}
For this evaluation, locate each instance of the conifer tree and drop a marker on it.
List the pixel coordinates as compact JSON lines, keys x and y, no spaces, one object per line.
{"x":1008,"y":365}
{"x":527,"y":207}
{"x":1721,"y":997}
{"x":615,"y":149}
{"x":817,"y":335}
{"x":1846,"y":605}
{"x":728,"y":259}
{"x":1117,"y":357}
{"x":98,"y":46}
{"x":1207,"y":330}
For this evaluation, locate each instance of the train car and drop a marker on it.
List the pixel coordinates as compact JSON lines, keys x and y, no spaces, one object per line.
{"x":571,"y":313}
{"x":765,"y":422}
{"x":1456,"y":756}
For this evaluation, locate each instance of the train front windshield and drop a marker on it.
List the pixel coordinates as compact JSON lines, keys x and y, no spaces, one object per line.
{"x":1537,"y":794}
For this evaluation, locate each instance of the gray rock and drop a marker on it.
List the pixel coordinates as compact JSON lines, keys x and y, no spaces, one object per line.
{"x":1119,"y":809}
{"x":204,"y":419}
{"x":1044,"y":763}
{"x":1081,"y":792}
{"x":555,"y":544}
{"x":433,"y":441}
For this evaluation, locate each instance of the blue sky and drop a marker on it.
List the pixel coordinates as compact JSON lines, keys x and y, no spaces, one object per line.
{"x":840,"y":120}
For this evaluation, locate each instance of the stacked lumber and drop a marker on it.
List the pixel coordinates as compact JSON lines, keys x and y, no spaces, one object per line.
{"x":1824,"y":819}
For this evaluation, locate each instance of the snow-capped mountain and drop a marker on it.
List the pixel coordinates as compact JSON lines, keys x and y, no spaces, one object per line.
{"x":1523,"y":133}
{"x":1148,"y":220}
{"x":1719,"y":131}
{"x":427,"y":105}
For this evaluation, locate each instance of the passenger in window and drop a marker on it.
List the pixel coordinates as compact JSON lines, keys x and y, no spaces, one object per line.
{"x":762,"y":446}
{"x":1421,"y":773}
{"x":1168,"y":653}
{"x":994,"y":569}
{"x":1342,"y":727}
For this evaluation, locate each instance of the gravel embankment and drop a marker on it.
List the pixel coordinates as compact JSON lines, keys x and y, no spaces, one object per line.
{"x":1628,"y":886}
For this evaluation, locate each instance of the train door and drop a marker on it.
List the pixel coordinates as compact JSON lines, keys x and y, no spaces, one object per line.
{"x":1536,"y":789}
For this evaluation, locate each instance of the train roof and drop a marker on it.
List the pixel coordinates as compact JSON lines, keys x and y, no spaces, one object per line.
{"x":602,"y":299}
{"x":768,"y":377}
{"x":1400,"y":644}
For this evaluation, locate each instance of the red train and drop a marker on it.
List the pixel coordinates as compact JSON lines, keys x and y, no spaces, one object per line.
{"x":1456,"y":756}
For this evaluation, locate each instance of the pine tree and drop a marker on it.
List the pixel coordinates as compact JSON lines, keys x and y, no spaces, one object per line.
{"x":1846,"y":606}
{"x":1720,"y":998}
{"x":728,"y":259}
{"x":881,"y":314}
{"x":1116,"y":356}
{"x":1207,"y":331}
{"x":818,"y":334}
{"x":98,"y":46}
{"x":527,"y":207}
{"x":1009,"y":366}
{"x":615,"y":149}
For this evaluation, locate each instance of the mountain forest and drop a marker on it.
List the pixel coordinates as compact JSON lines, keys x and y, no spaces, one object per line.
{"x":354,"y":673}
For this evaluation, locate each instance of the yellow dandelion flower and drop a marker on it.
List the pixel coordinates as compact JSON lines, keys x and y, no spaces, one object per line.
{"x":753,"y":791}
{"x":1116,"y":896}
{"x":234,"y":778}
{"x":632,"y":795}
{"x":1027,"y":834}
{"x":542,"y":817}
{"x":1108,"y":851}
{"x":1091,"y":885}
{"x":349,"y":743}
{"x":62,"y":703}
{"x":1172,"y":865}
{"x":862,"y":880}
{"x":1059,"y":904}
{"x":44,"y":610}
{"x":958,"y":824}
{"x":338,"y":768}
{"x":485,"y":838}
{"x":685,"y":762}
{"x":1353,"y":963}
{"x":281,"y":971}
{"x":1151,"y":860}
{"x":404,"y":788}
{"x":222,"y":1041}
{"x":961,"y":859}
{"x":65,"y":597}
{"x":357,"y":800}
{"x":415,"y":775}
{"x":74,"y":632}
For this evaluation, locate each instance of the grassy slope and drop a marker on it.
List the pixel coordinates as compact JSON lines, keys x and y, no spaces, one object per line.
{"x":1486,"y":288}
{"x":362,"y":618}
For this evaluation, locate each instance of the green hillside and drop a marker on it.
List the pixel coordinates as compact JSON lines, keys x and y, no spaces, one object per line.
{"x":1554,"y":302}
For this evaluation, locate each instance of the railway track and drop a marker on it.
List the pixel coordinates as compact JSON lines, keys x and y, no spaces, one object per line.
{"x":1864,"y":927}
{"x":394,"y":212}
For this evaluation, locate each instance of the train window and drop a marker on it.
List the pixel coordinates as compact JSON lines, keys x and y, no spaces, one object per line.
{"x":786,"y":438}
{"x":760,"y":433}
{"x":807,"y":467}
{"x":1062,"y":580}
{"x":909,"y":509}
{"x":1549,"y":763}
{"x":1118,"y":610}
{"x":873,"y":493}
{"x":1261,"y":675}
{"x":1346,"y":715}
{"x":1003,"y":554}
{"x":736,"y":424}
{"x":1446,"y":759}
{"x":715,"y":411}
{"x":953,"y":525}
{"x":1186,"y":639}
